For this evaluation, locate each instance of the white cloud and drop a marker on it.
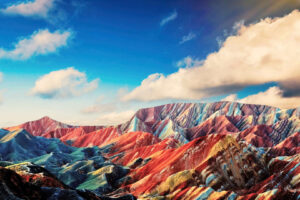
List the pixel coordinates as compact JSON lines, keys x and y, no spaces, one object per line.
{"x":169,"y":18}
{"x":114,"y":118}
{"x":63,"y":84}
{"x":189,"y":62}
{"x":1,"y":77}
{"x":272,"y":97}
{"x":267,"y":51}
{"x":99,"y":107}
{"x":236,"y":27}
{"x":187,"y":37}
{"x":39,"y":43}
{"x":231,"y":97}
{"x":36,"y":8}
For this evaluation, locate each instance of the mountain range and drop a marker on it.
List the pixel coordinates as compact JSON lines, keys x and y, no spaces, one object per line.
{"x":222,"y":150}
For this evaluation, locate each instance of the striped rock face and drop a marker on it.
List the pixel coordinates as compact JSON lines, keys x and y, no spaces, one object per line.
{"x":191,"y":151}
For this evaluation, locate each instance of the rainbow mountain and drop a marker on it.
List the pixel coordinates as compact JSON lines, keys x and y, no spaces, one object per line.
{"x":214,"y":151}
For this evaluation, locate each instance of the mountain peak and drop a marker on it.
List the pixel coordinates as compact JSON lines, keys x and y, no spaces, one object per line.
{"x":47,"y":118}
{"x":41,"y":126}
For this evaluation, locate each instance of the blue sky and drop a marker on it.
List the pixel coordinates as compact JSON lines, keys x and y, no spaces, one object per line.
{"x":105,"y":50}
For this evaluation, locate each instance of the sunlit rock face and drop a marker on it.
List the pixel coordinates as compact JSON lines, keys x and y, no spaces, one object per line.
{"x":212,"y":151}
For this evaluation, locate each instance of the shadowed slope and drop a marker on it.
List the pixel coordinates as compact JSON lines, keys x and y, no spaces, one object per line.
{"x":75,"y":167}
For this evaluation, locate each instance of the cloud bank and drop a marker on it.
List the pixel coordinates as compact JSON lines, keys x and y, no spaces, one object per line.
{"x":63,"y":83}
{"x":39,"y":43}
{"x":37,"y":8}
{"x":267,"y":51}
{"x":273,"y":96}
{"x":169,"y":18}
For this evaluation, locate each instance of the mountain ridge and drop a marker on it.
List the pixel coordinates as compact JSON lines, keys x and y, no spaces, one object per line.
{"x":189,"y":151}
{"x":175,"y":120}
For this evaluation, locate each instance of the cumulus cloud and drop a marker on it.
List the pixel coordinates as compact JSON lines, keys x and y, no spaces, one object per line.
{"x":36,"y":8}
{"x":188,"y":37}
{"x":273,"y":96}
{"x":169,"y":18}
{"x":267,"y":51}
{"x":63,"y":83}
{"x":39,"y":43}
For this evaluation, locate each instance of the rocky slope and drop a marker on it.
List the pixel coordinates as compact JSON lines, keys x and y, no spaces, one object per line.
{"x":212,"y":151}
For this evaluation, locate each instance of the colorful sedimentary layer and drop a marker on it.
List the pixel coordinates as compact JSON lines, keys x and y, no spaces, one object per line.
{"x":50,"y":128}
{"x":191,"y":151}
